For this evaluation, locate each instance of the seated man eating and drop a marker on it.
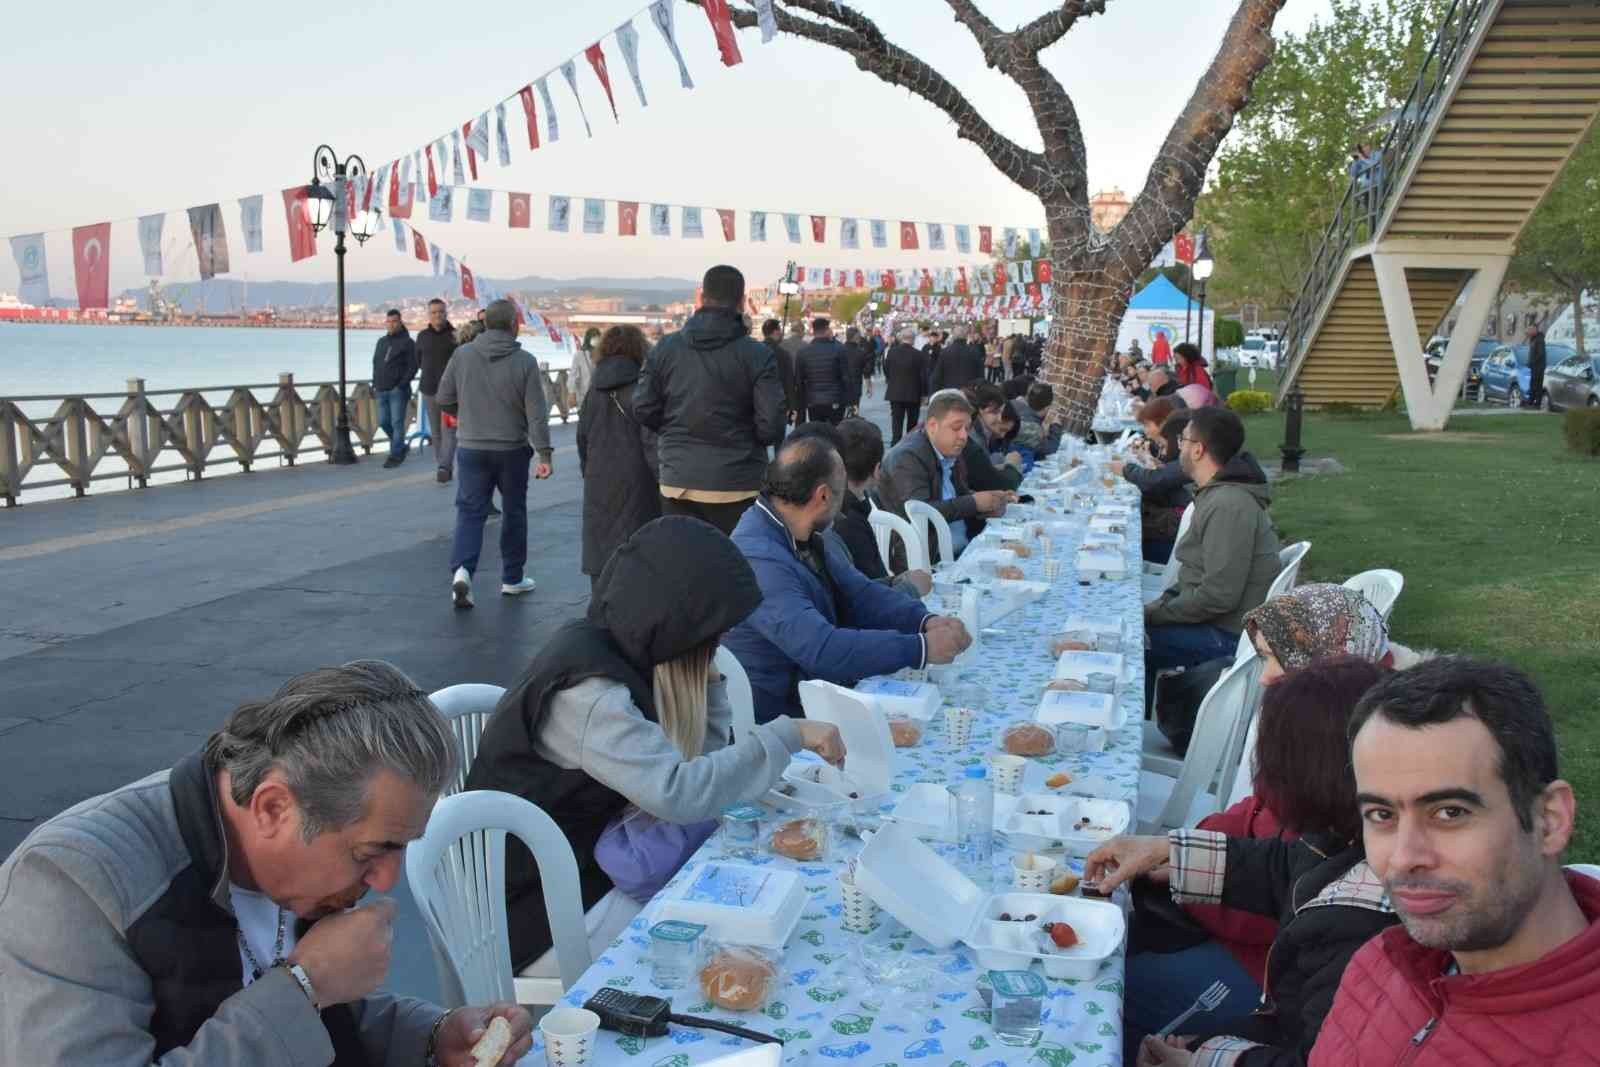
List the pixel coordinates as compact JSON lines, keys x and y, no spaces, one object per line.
{"x":819,"y":616}
{"x":207,"y":914}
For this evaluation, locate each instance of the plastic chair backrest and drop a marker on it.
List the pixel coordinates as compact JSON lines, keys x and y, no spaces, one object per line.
{"x":1215,"y":730}
{"x":1381,"y":587}
{"x":457,"y":875}
{"x":885,"y":524}
{"x":1591,"y":869}
{"x":1243,"y":785}
{"x":921,"y":516}
{"x":740,"y":695}
{"x":1289,"y":560}
{"x":467,"y":708}
{"x":1169,"y":574}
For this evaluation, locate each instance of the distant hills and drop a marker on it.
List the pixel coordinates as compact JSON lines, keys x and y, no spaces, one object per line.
{"x":222,"y":295}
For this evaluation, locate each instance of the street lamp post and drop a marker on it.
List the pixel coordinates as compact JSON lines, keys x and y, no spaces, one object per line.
{"x":788,"y":287}
{"x":333,"y":208}
{"x":1202,"y":268}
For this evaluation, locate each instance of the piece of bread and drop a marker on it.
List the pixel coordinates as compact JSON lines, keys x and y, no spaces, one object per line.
{"x":1064,"y":883}
{"x":1029,"y":740}
{"x":1022,"y":550}
{"x":1009,"y":573}
{"x":1059,"y":779}
{"x":797,"y":839}
{"x":736,"y":980}
{"x":1067,"y":644}
{"x":493,"y":1045}
{"x":904,"y":732}
{"x":1066,"y":685}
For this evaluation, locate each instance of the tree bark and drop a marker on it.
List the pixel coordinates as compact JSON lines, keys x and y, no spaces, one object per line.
{"x":1089,"y":297}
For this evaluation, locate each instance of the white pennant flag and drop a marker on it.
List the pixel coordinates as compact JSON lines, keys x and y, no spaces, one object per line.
{"x":1035,"y":246}
{"x":569,"y":71}
{"x":561,"y":214}
{"x":250,"y":222}
{"x":880,"y":233}
{"x":433,"y":252}
{"x":380,"y":184}
{"x":963,"y":239}
{"x":478,"y":138}
{"x":935,"y":237}
{"x":449,"y":265}
{"x":419,"y":188}
{"x":691,"y":223}
{"x":628,"y":41}
{"x":758,"y":225}
{"x":849,"y":233}
{"x":766,"y":20}
{"x":442,"y":207}
{"x":458,"y":171}
{"x":549,"y":110}
{"x":660,"y":220}
{"x":1009,"y":243}
{"x":401,"y":245}
{"x":28,"y":249}
{"x":661,"y":15}
{"x":405,"y":179}
{"x":502,"y":140}
{"x":791,"y":227}
{"x":594,"y":216}
{"x":150,"y":242}
{"x":478,"y":205}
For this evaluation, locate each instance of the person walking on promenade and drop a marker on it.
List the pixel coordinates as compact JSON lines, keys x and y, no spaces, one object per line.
{"x":857,"y":369}
{"x":394,"y":364}
{"x":621,"y":487}
{"x":772,"y":337}
{"x":823,"y":369}
{"x":794,"y":344}
{"x":495,"y":389}
{"x":435,"y":343}
{"x":905,"y":376}
{"x":713,"y":394}
{"x":959,"y":362}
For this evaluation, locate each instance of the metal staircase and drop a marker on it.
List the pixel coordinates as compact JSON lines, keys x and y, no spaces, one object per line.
{"x":1507,"y":92}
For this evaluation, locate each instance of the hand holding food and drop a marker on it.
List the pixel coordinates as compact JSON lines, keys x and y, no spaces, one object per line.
{"x":346,"y":954}
{"x":823,"y":739}
{"x":946,"y":640}
{"x":1123,"y":859}
{"x":491,"y":1036}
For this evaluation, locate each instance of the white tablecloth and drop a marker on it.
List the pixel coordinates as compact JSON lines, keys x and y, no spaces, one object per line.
{"x":826,"y":1012}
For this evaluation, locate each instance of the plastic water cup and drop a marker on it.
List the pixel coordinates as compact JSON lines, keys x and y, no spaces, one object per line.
{"x":1007,"y":771}
{"x":1031,"y":872}
{"x":674,"y":953}
{"x":569,"y":1037}
{"x":958,"y":723}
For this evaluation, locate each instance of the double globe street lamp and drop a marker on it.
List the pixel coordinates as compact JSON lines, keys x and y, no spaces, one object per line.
{"x":332,"y":207}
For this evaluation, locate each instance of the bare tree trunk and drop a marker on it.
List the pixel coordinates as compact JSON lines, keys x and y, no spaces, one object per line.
{"x":1087,"y":304}
{"x":1577,"y":319}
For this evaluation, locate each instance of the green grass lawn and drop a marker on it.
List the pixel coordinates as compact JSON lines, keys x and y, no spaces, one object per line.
{"x":1497,"y":530}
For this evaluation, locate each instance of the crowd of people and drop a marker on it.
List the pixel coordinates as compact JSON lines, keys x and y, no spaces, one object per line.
{"x":1391,"y":890}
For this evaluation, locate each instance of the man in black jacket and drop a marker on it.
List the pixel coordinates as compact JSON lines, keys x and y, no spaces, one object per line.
{"x":959,"y":363}
{"x":435,"y":343}
{"x":823,"y":368}
{"x":930,"y":465}
{"x":713,"y":394}
{"x":772,"y":337}
{"x":857,"y":369}
{"x":1536,"y":365}
{"x":394,"y":364}
{"x":905,"y":375}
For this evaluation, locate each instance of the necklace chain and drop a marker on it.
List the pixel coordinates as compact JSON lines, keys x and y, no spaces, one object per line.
{"x":256,"y":970}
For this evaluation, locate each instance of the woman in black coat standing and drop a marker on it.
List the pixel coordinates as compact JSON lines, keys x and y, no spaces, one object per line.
{"x":621,"y":487}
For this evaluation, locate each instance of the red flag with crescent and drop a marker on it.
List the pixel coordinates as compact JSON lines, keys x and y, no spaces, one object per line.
{"x":726,"y":215}
{"x":597,"y":60}
{"x":986,"y":239}
{"x":908,"y":235}
{"x":399,"y":202}
{"x":433,"y":182}
{"x":472,"y":157}
{"x":628,"y":218}
{"x":1183,"y":248}
{"x":419,"y":247}
{"x":469,"y":289}
{"x":1043,"y":272}
{"x":889,"y":281}
{"x":722,"y":26}
{"x":526,"y":95}
{"x":91,"y":264}
{"x":861,"y":279}
{"x":520,"y":210}
{"x":302,"y":238}
{"x":819,"y":228}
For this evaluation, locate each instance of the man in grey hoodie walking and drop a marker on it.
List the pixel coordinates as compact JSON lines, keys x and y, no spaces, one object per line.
{"x":493,"y":387}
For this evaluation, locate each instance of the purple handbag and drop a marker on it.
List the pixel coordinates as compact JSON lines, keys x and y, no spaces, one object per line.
{"x":640,"y":853}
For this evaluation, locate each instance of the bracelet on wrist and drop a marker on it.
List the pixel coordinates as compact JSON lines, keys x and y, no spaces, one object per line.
{"x":431,"y":1058}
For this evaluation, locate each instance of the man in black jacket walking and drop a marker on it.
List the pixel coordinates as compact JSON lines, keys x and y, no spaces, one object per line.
{"x":905,"y":375}
{"x":394,"y":364}
{"x":772,"y":336}
{"x":435,"y":343}
{"x":714,"y":395}
{"x":960,"y":362}
{"x":822,"y":369}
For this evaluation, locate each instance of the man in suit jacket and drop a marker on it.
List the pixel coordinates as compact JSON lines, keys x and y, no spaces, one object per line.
{"x":905,"y":373}
{"x":960,"y":362}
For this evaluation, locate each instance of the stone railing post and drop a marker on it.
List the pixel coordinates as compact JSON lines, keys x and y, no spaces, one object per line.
{"x":10,"y":467}
{"x":289,"y":416}
{"x":76,"y":436}
{"x":139,"y":432}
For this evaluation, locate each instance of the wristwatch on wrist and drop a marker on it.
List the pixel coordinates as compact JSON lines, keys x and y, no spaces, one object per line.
{"x":431,"y":1056}
{"x":306,"y":987}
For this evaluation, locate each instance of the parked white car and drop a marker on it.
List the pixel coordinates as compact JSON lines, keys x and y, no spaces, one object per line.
{"x":1259,"y":352}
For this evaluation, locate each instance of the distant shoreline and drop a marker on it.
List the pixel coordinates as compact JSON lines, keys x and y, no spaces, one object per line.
{"x":331,"y":324}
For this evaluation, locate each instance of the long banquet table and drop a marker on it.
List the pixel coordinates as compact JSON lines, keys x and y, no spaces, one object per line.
{"x":819,"y":1011}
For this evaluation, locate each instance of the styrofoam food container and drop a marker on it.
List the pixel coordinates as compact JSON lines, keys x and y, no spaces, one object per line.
{"x":814,"y":784}
{"x":863,"y":727}
{"x":912,"y":700}
{"x":1097,"y":561}
{"x":1079,"y":665}
{"x":926,"y":809}
{"x":1058,"y":706}
{"x":766,"y":917}
{"x":1054,"y":832}
{"x":1099,"y":625}
{"x":936,"y":902}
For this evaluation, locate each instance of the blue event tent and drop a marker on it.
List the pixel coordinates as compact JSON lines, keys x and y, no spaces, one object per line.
{"x":1159,"y":309}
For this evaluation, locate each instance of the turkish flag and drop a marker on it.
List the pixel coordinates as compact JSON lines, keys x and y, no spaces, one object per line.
{"x":819,"y":228}
{"x":433,"y":183}
{"x":597,"y":60}
{"x":908,"y":235}
{"x":628,"y":218}
{"x":302,"y":238}
{"x":927,"y":281}
{"x":468,"y":289}
{"x":419,"y":247}
{"x":889,"y":281}
{"x":726,"y":213}
{"x":722,"y":26}
{"x":986,"y":239}
{"x":553,"y":330}
{"x":472,"y":157}
{"x":520,"y":211}
{"x":1043,"y":272}
{"x":1001,"y":274}
{"x":91,"y":263}
{"x":526,"y":93}
{"x":399,"y":206}
{"x":799,"y":274}
{"x":961,"y":285}
{"x":861,"y":279}
{"x":827,"y":278}
{"x":1183,"y":248}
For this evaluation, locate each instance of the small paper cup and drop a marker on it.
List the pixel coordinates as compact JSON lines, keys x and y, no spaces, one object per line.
{"x":958,"y":723}
{"x":1031,"y":872}
{"x":1007,"y":770}
{"x":860,"y":914}
{"x":569,"y":1037}
{"x":1053,"y":569}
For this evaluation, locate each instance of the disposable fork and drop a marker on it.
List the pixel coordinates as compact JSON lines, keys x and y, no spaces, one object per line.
{"x":1214,"y":995}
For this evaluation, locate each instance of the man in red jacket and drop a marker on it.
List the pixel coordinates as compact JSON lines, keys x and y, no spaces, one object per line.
{"x":1465,"y":820}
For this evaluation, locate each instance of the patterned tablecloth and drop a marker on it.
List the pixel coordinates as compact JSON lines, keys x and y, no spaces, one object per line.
{"x":827,"y":1012}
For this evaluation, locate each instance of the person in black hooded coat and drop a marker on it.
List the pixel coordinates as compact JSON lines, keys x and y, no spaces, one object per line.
{"x":581,"y":734}
{"x":621,"y":489}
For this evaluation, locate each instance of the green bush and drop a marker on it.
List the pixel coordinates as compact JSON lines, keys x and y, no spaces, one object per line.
{"x":1250,"y":401}
{"x":1230,"y":333}
{"x":1582,"y":430}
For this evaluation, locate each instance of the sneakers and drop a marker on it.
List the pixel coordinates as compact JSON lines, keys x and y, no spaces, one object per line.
{"x":391,"y":463}
{"x":524,"y":586}
{"x":442,"y":477}
{"x":461,"y":588}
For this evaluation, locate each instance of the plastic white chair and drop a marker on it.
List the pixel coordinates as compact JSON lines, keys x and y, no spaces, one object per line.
{"x":1289,"y":560}
{"x":467,"y":708}
{"x":1381,"y":587}
{"x":921,"y":516}
{"x":885,"y":524}
{"x":1167,"y":802}
{"x":1159,"y":578}
{"x":740,"y":695}
{"x":457,"y":874}
{"x":1241,"y":784}
{"x":1591,"y":869}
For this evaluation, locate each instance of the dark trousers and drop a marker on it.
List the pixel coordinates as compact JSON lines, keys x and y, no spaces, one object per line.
{"x":1535,"y":385}
{"x":830,"y":413}
{"x":902,"y":419}
{"x":478,"y":474}
{"x":723,"y":516}
{"x":1183,"y":645}
{"x":996,"y":373}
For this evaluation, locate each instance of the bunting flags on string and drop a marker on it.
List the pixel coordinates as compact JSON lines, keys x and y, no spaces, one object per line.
{"x":469,"y":289}
{"x":880,"y":233}
{"x":660,"y":220}
{"x":419,"y":247}
{"x":661,"y":15}
{"x":441,"y":206}
{"x":150,"y":242}
{"x":549,"y":110}
{"x":935,"y":237}
{"x":502,"y":139}
{"x":399,"y":231}
{"x":433,"y":183}
{"x":91,"y":264}
{"x":758,"y":226}
{"x":458,"y":174}
{"x":433,"y":254}
{"x":726,"y":215}
{"x":560,"y":213}
{"x":791,"y":228}
{"x":519,"y":210}
{"x":819,"y":229}
{"x":691,"y":223}
{"x":908,"y":235}
{"x":528,"y":109}
{"x":449,"y":265}
{"x":986,"y":240}
{"x":628,"y":218}
{"x":963,"y":239}
{"x":210,"y":240}
{"x":249,"y":223}
{"x":1035,"y":246}
{"x":597,"y":60}
{"x":594,"y":216}
{"x":628,"y":41}
{"x":1009,"y":243}
{"x":722,"y":26}
{"x":848,"y":237}
{"x":569,"y":71}
{"x":472,"y":155}
{"x":297,"y":214}
{"x":766,"y":19}
{"x":28,"y":250}
{"x":478,"y":138}
{"x":478,"y":201}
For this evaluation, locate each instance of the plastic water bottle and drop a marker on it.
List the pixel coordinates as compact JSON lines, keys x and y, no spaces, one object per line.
{"x":975,"y":825}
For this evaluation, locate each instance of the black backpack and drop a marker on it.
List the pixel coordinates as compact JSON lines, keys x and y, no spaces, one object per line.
{"x":1178,"y":699}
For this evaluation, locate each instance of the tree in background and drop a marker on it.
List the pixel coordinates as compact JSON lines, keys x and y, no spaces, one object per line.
{"x":1558,"y":254}
{"x":1282,"y":173}
{"x":1093,"y":273}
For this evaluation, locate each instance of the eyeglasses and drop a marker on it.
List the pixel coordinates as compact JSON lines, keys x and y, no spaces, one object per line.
{"x":1185,"y":439}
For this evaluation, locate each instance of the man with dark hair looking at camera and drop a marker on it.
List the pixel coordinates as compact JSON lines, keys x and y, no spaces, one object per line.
{"x":435,"y":343}
{"x":1465,"y":819}
{"x":208,"y":914}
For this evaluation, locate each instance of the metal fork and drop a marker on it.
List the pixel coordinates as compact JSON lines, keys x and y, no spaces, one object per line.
{"x":1214,"y":995}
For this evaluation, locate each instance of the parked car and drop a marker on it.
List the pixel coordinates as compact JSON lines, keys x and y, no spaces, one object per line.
{"x":1259,"y":352}
{"x":1573,"y":383}
{"x":1506,"y":375}
{"x":1433,"y":356}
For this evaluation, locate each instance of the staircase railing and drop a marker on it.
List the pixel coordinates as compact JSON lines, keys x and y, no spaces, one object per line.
{"x":1368,"y":195}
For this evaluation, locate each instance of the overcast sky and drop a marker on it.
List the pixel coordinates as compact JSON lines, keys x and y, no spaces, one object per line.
{"x":116,"y":111}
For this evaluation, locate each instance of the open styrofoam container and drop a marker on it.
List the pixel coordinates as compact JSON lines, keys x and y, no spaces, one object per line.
{"x":939,"y":904}
{"x":1097,"y":624}
{"x":1093,"y":538}
{"x":897,"y":698}
{"x":737,"y":903}
{"x":1056,"y":831}
{"x":1079,"y":665}
{"x":1096,"y":561}
{"x":864,"y":729}
{"x":926,"y":809}
{"x":810,"y":784}
{"x":1058,"y":707}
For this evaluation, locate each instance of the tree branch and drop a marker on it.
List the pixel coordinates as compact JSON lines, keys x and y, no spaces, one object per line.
{"x":986,"y":33}
{"x":1050,"y":27}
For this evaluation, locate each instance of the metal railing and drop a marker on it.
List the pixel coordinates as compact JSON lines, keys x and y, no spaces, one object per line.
{"x":143,"y":440}
{"x":1370,"y":193}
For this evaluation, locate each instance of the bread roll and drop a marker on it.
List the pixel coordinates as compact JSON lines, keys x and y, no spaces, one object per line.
{"x":737,"y":980}
{"x":1029,"y":740}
